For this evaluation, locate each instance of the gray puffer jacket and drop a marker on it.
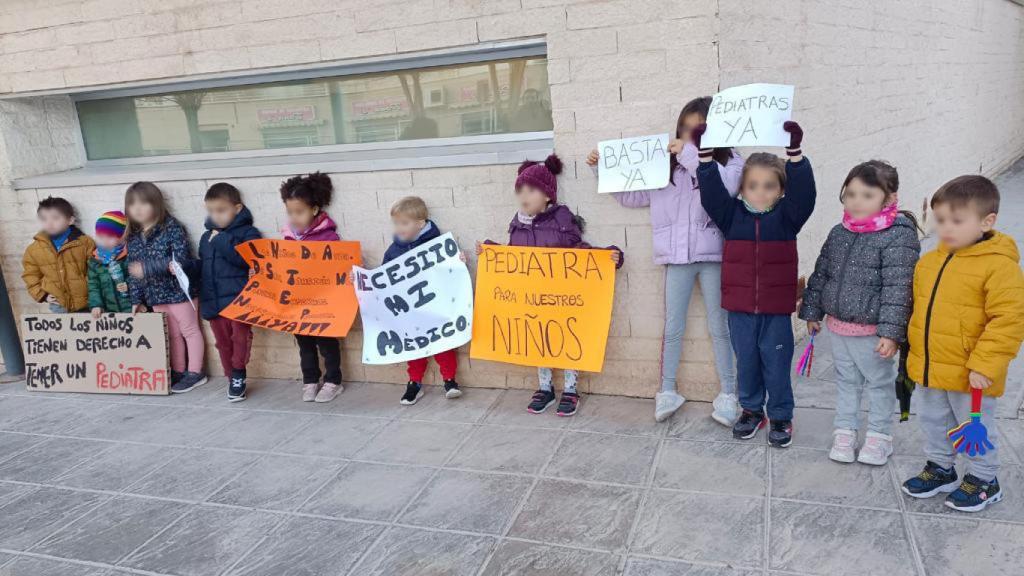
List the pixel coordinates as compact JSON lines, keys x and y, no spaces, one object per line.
{"x":865,"y":278}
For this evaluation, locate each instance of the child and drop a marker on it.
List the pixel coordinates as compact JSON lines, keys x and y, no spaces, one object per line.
{"x":56,"y":261}
{"x":305,"y":198}
{"x":413,"y":228}
{"x":224,"y":274}
{"x":156,"y":243}
{"x":543,"y":222}
{"x":967,"y":326}
{"x":759,"y":274}
{"x":862,"y":281}
{"x":108,"y":274}
{"x":690,"y":247}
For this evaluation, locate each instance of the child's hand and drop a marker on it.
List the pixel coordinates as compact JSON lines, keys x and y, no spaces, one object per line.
{"x":213,"y":233}
{"x":122,"y":287}
{"x":136,"y":271}
{"x":886,"y":347}
{"x":136,"y":308}
{"x":616,"y":256}
{"x":978,"y":380}
{"x":593,"y":157}
{"x":479,"y":248}
{"x":676,"y":145}
{"x":462,"y":256}
{"x":51,"y":299}
{"x":97,"y":312}
{"x":813,"y":327}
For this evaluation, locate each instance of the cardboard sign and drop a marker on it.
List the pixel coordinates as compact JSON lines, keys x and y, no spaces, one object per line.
{"x":112,"y":354}
{"x":546,"y":307}
{"x":298,"y":287}
{"x":417,"y":305}
{"x":639,"y":163}
{"x":749,"y":115}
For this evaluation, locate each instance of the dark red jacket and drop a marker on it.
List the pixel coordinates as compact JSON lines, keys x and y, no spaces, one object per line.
{"x":556,"y":227}
{"x":759,"y":264}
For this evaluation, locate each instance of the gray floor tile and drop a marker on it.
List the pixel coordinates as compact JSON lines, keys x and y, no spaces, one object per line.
{"x":40,"y":513}
{"x":957,"y":546}
{"x":206,"y":541}
{"x":50,"y":459}
{"x":11,"y":444}
{"x":525,"y":559}
{"x":309,"y":547}
{"x":406,"y":442}
{"x":112,"y":530}
{"x":506,"y":449}
{"x":689,"y":465}
{"x":1012,"y":434}
{"x":871,"y":541}
{"x":618,"y":415}
{"x":649,"y":567}
{"x":368,"y":491}
{"x":30,"y":566}
{"x":410,"y":552}
{"x":470,"y":407}
{"x":10,"y":492}
{"x":118,"y":467}
{"x":41,"y":413}
{"x":5,"y":558}
{"x":257,"y":431}
{"x":1010,"y":508}
{"x":120,"y":423}
{"x":362,"y":399}
{"x":193,"y":475}
{"x":510,"y":410}
{"x":812,"y":428}
{"x":332,"y":436}
{"x":185,"y":426}
{"x":803,"y":474}
{"x":731,"y":528}
{"x":470,"y":501}
{"x":604,"y":458}
{"x":693,"y":422}
{"x":277,"y":482}
{"x":602,"y":515}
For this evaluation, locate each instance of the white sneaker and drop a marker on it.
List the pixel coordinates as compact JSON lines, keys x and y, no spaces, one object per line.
{"x":309,"y":392}
{"x":844,"y":443}
{"x":328,"y":392}
{"x":726,"y":409}
{"x":877,"y":449}
{"x":666,"y":404}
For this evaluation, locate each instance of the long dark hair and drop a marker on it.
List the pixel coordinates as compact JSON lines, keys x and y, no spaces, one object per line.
{"x":878,"y":174}
{"x":696,"y":106}
{"x":150,"y":194}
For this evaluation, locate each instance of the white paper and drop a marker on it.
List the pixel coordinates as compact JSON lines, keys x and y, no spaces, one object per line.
{"x":182,"y":280}
{"x":749,"y":115}
{"x":639,"y":163}
{"x":417,"y":305}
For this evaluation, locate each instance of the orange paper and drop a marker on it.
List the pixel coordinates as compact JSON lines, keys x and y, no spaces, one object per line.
{"x":299,"y":287}
{"x":547,"y":307}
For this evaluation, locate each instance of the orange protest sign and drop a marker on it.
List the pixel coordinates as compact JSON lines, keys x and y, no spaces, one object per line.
{"x":298,"y":287}
{"x":546,"y":307}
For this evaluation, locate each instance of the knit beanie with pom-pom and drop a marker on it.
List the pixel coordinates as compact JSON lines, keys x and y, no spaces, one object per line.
{"x":541,"y":175}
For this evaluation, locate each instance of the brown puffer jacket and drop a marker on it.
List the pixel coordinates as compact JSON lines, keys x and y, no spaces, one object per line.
{"x":63,"y":274}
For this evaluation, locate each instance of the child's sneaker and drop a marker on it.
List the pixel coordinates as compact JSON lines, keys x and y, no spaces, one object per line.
{"x":567,"y":404}
{"x":176,"y":377}
{"x":540,"y":401}
{"x":413,"y":391}
{"x":844,"y":443}
{"x":309,"y":391}
{"x":781,"y":433}
{"x":748,"y":424}
{"x":451,"y":389}
{"x":877,"y":449}
{"x":236,"y":390}
{"x":328,"y":392}
{"x":189,"y":380}
{"x":666,"y":404}
{"x":931,"y":481}
{"x":974,"y":494}
{"x":726,"y":409}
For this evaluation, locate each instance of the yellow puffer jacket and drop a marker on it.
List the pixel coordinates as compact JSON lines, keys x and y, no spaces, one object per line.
{"x":968,"y":315}
{"x":62,"y":274}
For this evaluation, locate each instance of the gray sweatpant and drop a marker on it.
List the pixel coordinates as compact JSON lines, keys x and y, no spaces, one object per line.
{"x":860,"y":369}
{"x":940,"y":410}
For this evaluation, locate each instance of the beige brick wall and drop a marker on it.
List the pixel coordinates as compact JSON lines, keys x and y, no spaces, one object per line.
{"x":934,"y":87}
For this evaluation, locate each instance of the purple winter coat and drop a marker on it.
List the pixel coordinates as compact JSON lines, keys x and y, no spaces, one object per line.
{"x":556,"y":227}
{"x":683,"y":231}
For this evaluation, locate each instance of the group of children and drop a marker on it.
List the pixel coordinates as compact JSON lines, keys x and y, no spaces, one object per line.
{"x":726,"y":222}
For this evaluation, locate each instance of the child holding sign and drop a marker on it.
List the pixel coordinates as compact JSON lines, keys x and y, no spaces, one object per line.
{"x":759,"y":274}
{"x":55,"y":263}
{"x":305,"y":198}
{"x":543,"y":222}
{"x":108,"y":275}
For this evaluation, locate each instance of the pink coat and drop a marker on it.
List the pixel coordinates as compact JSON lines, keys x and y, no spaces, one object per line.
{"x":322,"y":228}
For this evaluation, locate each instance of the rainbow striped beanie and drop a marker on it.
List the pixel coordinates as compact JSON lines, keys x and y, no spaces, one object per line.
{"x":111,"y":223}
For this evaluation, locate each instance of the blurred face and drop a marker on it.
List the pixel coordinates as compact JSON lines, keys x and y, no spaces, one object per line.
{"x":962,"y":226}
{"x":222,"y":212}
{"x":107,"y":242}
{"x":761,"y":188}
{"x":690,"y":121}
{"x":53,"y":222}
{"x":406,"y":228}
{"x":862,"y":200}
{"x":300,"y":214}
{"x":531,"y":200}
{"x":142,"y":212}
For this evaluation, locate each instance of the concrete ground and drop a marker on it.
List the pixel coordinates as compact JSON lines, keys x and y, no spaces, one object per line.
{"x":193,"y":486}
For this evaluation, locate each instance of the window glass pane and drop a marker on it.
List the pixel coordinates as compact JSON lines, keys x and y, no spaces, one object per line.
{"x":463,"y":100}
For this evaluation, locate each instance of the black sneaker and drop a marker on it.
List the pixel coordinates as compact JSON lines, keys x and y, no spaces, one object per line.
{"x":780,"y":434}
{"x":931,"y":481}
{"x":540,"y":401}
{"x":567,"y":404}
{"x":189,"y":380}
{"x":236,"y":390}
{"x":747,"y":426}
{"x":413,"y":391}
{"x":176,"y":377}
{"x":451,"y":389}
{"x":974,"y":494}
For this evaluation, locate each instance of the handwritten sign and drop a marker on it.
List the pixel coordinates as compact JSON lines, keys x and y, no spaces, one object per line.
{"x":416,"y":305}
{"x":298,"y":287}
{"x":112,"y":354}
{"x":749,"y":115}
{"x":543,"y":306}
{"x":639,"y":163}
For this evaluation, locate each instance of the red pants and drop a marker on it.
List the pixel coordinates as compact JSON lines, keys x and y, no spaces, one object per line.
{"x":447,"y":361}
{"x":234,"y":341}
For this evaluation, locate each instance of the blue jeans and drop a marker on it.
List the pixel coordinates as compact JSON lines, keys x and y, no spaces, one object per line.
{"x":764,"y":357}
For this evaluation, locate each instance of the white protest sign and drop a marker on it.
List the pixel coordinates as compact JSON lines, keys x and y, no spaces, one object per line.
{"x":417,"y":305}
{"x":749,"y":115}
{"x":639,"y":163}
{"x":182,"y":278}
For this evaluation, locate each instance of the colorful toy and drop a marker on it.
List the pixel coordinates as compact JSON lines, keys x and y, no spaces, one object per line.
{"x":971,"y":437}
{"x":803,"y":366}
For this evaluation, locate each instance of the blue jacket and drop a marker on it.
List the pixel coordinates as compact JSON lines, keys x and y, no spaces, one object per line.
{"x":223,"y":271}
{"x":155,"y":250}
{"x":397,"y":248}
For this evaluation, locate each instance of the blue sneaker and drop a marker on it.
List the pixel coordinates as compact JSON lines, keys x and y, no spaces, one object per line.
{"x":236,"y":390}
{"x":931,"y":481}
{"x":974,"y":494}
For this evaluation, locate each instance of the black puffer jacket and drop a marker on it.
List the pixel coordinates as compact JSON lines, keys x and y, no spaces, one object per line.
{"x":223,"y":271}
{"x":865,"y":278}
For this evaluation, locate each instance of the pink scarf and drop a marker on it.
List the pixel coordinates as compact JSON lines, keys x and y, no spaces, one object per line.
{"x":878,"y":221}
